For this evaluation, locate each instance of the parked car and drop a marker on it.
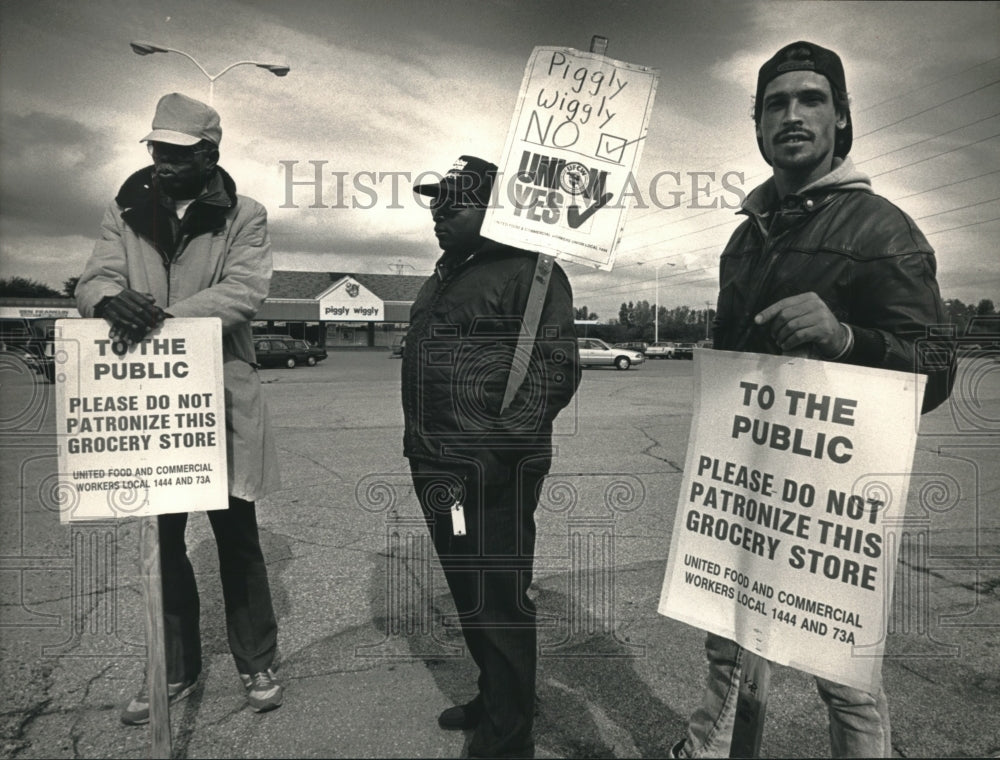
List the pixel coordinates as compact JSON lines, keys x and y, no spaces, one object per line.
{"x":396,"y":352}
{"x":595,"y":352}
{"x":287,"y":352}
{"x":684,"y":351}
{"x":660,"y":351}
{"x":632,"y":346}
{"x":982,"y":335}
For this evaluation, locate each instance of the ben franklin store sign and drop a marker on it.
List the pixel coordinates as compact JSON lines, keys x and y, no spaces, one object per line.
{"x":143,"y":433}
{"x":350,"y":301}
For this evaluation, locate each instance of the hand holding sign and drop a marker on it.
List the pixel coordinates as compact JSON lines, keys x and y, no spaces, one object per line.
{"x":803,"y":319}
{"x":132,"y":315}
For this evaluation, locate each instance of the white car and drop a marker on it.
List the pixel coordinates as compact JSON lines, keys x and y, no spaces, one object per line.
{"x":594,"y":352}
{"x":660,"y":351}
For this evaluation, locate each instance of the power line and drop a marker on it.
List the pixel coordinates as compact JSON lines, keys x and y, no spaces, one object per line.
{"x":925,"y":110}
{"x":857,"y":137}
{"x":963,"y":226}
{"x":936,"y":155}
{"x":928,"y":139}
{"x":633,"y":249}
{"x":873,"y":107}
{"x":632,"y":283}
{"x":957,"y":208}
{"x":920,"y":112}
{"x":948,"y":184}
{"x":888,"y":171}
{"x":925,"y":86}
{"x":877,"y":129}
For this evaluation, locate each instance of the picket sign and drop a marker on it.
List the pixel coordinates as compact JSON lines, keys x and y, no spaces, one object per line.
{"x":792,"y":492}
{"x":557,"y":202}
{"x":142,"y":434}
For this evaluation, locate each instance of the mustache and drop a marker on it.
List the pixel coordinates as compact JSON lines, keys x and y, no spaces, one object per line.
{"x":793,"y":131}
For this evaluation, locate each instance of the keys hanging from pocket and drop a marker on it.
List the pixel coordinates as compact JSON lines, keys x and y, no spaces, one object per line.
{"x":457,"y":519}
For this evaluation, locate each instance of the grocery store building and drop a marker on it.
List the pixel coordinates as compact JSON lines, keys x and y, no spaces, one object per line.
{"x":338,"y":309}
{"x":335,"y":309}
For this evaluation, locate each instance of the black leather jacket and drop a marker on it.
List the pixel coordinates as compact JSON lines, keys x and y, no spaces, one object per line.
{"x":861,"y":254}
{"x":464,"y":325}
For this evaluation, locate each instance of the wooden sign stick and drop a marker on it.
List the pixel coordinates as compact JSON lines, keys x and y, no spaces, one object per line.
{"x":536,"y":298}
{"x":751,"y":706}
{"x":156,"y":651}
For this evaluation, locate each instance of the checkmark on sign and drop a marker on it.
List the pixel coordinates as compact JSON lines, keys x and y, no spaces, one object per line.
{"x":611,"y":147}
{"x":574,"y":217}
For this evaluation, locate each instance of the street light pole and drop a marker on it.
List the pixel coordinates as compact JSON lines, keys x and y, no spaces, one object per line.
{"x":148,"y":48}
{"x":656,"y":309}
{"x":708,"y":313}
{"x":656,"y":299}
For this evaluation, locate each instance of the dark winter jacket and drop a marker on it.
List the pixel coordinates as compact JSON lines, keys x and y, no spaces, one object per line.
{"x":464,"y":325}
{"x":858,"y":252}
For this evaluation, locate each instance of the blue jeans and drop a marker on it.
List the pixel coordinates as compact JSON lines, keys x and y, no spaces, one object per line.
{"x":859,"y":721}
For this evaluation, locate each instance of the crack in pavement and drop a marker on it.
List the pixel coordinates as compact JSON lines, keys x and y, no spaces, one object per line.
{"x":653,"y":444}
{"x":75,"y":734}
{"x":347,"y":546}
{"x":987,"y":586}
{"x":615,"y":738}
{"x":33,"y":712}
{"x":310,"y":459}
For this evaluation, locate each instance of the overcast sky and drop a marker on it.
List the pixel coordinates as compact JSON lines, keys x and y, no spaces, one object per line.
{"x":386,"y":87}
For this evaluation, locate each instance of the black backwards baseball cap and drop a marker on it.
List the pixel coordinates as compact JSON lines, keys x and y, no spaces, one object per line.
{"x":805,"y":56}
{"x":469,"y":181}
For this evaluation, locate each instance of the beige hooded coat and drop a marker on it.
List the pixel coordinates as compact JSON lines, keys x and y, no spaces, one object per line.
{"x":215,"y":262}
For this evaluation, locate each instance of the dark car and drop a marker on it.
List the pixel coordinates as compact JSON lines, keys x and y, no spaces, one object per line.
{"x":684,"y":351}
{"x":397,"y":347}
{"x":287,"y":352}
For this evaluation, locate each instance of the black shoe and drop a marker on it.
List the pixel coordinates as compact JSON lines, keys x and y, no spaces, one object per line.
{"x":462,"y":717}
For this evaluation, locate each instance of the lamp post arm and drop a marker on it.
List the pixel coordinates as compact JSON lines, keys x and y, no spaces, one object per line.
{"x":192,"y":59}
{"x":232,"y":66}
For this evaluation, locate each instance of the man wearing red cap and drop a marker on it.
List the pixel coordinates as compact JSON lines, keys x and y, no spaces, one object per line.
{"x":477,"y":467}
{"x":178,"y":241}
{"x":821,"y":267}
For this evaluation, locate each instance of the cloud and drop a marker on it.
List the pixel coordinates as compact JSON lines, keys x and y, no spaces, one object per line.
{"x":48,"y":182}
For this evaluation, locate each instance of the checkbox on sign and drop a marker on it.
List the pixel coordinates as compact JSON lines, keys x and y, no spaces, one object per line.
{"x":611,"y":147}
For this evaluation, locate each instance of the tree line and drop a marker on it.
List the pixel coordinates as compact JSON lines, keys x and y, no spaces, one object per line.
{"x":687,"y":324}
{"x":22,"y":287}
{"x":635,"y":319}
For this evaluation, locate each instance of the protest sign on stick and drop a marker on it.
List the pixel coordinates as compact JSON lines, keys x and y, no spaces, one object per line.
{"x":140,"y":435}
{"x":780,"y":537}
{"x":567,"y":170}
{"x":527,"y":199}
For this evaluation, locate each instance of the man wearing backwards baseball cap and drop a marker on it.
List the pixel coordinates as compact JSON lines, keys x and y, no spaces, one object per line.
{"x":177,"y":241}
{"x":477,"y":471}
{"x":825,"y":268}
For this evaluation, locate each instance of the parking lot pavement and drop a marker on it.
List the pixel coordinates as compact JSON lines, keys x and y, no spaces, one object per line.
{"x":369,"y":650}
